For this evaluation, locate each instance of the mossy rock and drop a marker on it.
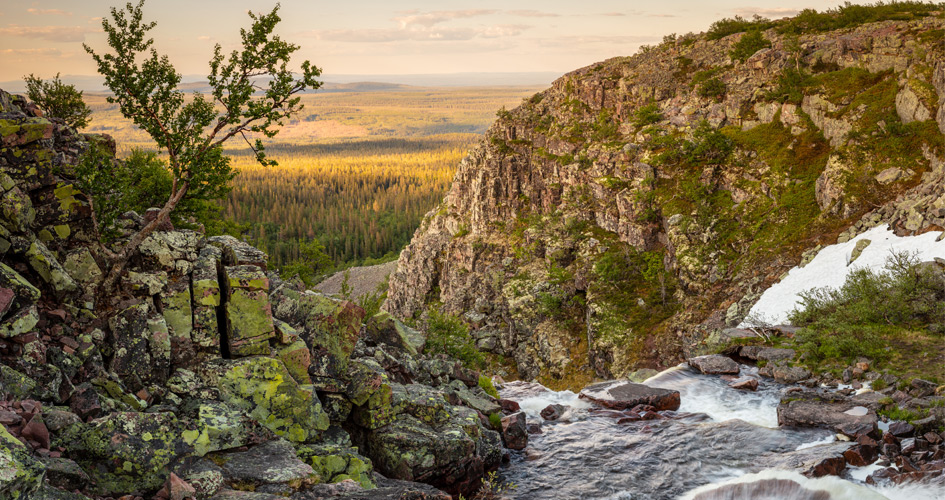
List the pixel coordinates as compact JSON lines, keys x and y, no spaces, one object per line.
{"x":264,"y":388}
{"x":218,"y":427}
{"x":20,"y":474}
{"x":126,"y":451}
{"x":336,"y":463}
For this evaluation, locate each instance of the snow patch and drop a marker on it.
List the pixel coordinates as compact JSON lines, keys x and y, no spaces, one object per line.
{"x":831,"y":266}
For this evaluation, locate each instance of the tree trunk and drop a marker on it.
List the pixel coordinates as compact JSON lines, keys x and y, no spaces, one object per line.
{"x":121,"y":259}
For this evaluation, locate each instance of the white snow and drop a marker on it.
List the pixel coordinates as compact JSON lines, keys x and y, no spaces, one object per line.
{"x":832,"y":265}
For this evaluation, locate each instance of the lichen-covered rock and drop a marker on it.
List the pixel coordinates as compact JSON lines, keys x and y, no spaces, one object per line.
{"x":171,"y":251}
{"x":385,"y":329}
{"x":20,"y":474}
{"x":236,"y":252}
{"x":248,"y":311}
{"x":452,"y":456}
{"x":207,"y":296}
{"x":264,"y":389}
{"x":273,"y":463}
{"x":177,"y":309}
{"x":218,"y":426}
{"x":125,"y":451}
{"x":297,"y":358}
{"x":48,"y":267}
{"x":336,"y":460}
{"x":139,"y":339}
{"x":330,"y":327}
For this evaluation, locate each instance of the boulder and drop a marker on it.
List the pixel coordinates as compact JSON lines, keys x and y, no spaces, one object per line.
{"x":452,"y":456}
{"x":514,"y":431}
{"x":330,"y":327}
{"x":336,"y":460}
{"x":64,"y":473}
{"x":248,"y":311}
{"x":140,"y":447}
{"x":816,"y":461}
{"x":385,"y":329}
{"x":749,"y":384}
{"x":20,"y":474}
{"x":714,"y":364}
{"x":263,"y":388}
{"x":553,"y":412}
{"x":621,"y":395}
{"x":828,"y":410}
{"x":236,"y":252}
{"x":273,"y":464}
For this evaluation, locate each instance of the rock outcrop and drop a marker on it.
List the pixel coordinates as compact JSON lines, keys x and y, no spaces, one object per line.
{"x":627,"y":215}
{"x":204,"y":373}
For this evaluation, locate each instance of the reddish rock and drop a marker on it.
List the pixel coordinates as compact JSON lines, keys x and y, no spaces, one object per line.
{"x":901,"y":429}
{"x":861,"y":455}
{"x":515,"y":431}
{"x":750,"y":384}
{"x":553,"y":412}
{"x":176,"y":488}
{"x":6,"y":300}
{"x":508,"y":406}
{"x":620,"y":395}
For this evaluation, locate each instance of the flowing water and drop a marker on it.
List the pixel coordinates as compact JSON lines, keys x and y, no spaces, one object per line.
{"x":708,"y":450}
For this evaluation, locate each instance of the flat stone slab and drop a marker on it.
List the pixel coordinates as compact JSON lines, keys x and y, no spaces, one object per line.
{"x":829,"y":410}
{"x":623,"y":394}
{"x":816,"y":461}
{"x":274,"y":462}
{"x":715,"y":364}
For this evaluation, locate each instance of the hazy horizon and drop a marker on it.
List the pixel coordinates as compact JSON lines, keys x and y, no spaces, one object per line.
{"x":370,"y":37}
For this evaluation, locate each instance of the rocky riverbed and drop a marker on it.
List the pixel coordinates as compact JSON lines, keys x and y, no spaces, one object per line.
{"x":720,"y":442}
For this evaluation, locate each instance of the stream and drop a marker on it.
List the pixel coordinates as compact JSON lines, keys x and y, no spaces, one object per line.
{"x":709,"y":449}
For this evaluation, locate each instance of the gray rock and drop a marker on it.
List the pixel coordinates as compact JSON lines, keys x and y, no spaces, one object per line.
{"x":828,"y":410}
{"x":273,"y":462}
{"x":714,"y":364}
{"x":621,"y":395}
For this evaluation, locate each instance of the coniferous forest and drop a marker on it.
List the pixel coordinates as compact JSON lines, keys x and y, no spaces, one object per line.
{"x":357,"y":169}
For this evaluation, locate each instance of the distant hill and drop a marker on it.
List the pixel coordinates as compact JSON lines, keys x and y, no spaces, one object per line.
{"x":345,"y":83}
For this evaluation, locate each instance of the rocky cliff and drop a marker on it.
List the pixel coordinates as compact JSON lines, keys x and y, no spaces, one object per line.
{"x":204,"y":375}
{"x":627,"y":214}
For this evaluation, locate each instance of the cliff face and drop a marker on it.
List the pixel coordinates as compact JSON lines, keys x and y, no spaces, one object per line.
{"x":203,"y":372}
{"x":616,"y":219}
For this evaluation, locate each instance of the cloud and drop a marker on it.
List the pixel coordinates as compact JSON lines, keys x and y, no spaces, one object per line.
{"x":613,"y":14}
{"x":429,"y":19}
{"x":49,"y":12}
{"x":533,"y":13}
{"x":774,"y":12}
{"x":204,"y":38}
{"x":31,"y":52}
{"x":50,"y":33}
{"x":420,"y":26}
{"x":419,"y":35}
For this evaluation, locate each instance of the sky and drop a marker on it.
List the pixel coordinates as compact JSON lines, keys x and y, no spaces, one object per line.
{"x":374,"y":37}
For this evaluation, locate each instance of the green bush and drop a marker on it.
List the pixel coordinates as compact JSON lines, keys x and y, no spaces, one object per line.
{"x":849,"y":15}
{"x":731,"y":25}
{"x":748,"y":44}
{"x":713,"y":88}
{"x":447,"y":334}
{"x":708,"y":146}
{"x":58,"y":100}
{"x":647,"y":115}
{"x":485,"y":383}
{"x":858,"y":318}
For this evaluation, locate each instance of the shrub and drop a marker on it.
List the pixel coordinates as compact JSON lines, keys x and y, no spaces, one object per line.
{"x":447,"y":334}
{"x":58,"y":100}
{"x":855,"y":319}
{"x":647,"y":115}
{"x":713,"y":88}
{"x":849,"y":15}
{"x":708,"y":146}
{"x":738,"y":24}
{"x":748,"y":44}
{"x":485,"y":383}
